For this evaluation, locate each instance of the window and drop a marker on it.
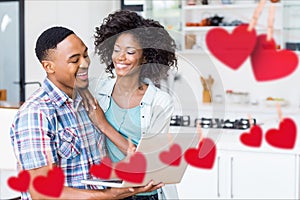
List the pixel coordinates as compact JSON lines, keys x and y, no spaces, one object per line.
{"x":12,"y":49}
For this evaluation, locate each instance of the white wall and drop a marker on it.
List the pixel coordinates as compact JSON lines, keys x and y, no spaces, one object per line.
{"x":81,"y":16}
{"x":191,"y":66}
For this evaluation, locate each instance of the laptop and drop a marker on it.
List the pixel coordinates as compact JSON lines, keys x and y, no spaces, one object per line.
{"x":157,"y":170}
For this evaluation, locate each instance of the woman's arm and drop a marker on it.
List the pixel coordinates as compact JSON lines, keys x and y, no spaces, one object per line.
{"x":98,"y":118}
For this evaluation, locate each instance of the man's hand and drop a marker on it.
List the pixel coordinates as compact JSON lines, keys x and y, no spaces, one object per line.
{"x":120,"y":193}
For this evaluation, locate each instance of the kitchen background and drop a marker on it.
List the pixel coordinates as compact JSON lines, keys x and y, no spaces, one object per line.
{"x":84,"y":16}
{"x":242,"y":93}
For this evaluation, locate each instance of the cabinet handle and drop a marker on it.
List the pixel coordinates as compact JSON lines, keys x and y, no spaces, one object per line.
{"x":231,"y":178}
{"x":218,"y":177}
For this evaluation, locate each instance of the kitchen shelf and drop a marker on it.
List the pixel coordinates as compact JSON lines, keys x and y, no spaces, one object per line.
{"x":240,"y":11}
{"x":229,"y":28}
{"x":224,"y":6}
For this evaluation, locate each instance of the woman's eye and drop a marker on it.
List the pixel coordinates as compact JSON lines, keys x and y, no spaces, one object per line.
{"x":131,"y":52}
{"x":116,"y":50}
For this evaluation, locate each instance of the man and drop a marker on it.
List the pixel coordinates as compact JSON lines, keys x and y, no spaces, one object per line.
{"x":53,"y":128}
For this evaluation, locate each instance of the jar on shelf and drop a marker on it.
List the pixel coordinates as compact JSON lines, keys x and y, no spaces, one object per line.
{"x":227,"y":1}
{"x":191,"y":2}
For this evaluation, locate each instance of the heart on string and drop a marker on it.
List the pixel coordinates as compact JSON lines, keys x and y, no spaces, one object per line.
{"x":21,"y":182}
{"x":268,"y":63}
{"x":285,"y":136}
{"x":134,"y":170}
{"x":231,"y":49}
{"x":171,"y":157}
{"x":254,"y":138}
{"x":102,"y":170}
{"x":52,"y":184}
{"x":203,"y":156}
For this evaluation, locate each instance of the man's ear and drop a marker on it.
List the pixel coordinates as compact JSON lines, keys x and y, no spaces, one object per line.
{"x":48,"y":66}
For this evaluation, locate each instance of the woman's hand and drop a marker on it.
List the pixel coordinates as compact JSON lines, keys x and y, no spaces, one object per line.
{"x":88,"y":100}
{"x":97,"y":115}
{"x":98,"y":118}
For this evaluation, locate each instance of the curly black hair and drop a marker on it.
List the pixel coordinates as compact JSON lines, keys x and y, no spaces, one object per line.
{"x":49,"y":40}
{"x":158,"y":46}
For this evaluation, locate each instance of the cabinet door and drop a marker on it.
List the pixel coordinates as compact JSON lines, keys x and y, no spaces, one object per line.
{"x":263,"y":175}
{"x":203,"y":183}
{"x":5,"y":191}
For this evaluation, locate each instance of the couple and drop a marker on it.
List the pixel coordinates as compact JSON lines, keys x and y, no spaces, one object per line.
{"x":53,"y":127}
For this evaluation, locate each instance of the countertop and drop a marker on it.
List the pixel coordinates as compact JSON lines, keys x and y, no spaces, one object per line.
{"x":10,"y":105}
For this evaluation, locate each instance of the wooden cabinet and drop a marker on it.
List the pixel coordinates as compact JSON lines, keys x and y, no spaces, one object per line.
{"x":244,"y":175}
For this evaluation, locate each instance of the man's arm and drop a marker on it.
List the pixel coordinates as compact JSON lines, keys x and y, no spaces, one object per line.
{"x":74,"y":193}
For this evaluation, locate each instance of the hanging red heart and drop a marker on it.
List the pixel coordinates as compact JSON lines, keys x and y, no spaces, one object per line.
{"x":21,"y":182}
{"x":172,"y":157}
{"x":268,"y":63}
{"x":203,"y":156}
{"x":51,"y":185}
{"x":134,"y":170}
{"x":285,"y":136}
{"x":254,"y":138}
{"x":103,"y":170}
{"x":231,"y":49}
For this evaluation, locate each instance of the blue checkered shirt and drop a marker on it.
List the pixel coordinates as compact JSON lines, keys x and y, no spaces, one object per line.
{"x":50,"y":121}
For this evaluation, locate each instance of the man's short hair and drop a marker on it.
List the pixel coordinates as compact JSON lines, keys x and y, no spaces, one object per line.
{"x":49,"y":40}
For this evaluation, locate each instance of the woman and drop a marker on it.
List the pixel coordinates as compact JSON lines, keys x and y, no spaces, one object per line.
{"x":138,"y":54}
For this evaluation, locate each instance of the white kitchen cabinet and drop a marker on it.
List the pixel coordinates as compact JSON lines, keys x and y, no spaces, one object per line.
{"x":243,"y":175}
{"x":291,"y":24}
{"x":203,"y":183}
{"x":5,"y":191}
{"x":263,"y":175}
{"x":8,"y":166}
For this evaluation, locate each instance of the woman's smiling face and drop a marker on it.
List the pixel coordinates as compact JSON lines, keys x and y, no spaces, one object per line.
{"x":127,"y":55}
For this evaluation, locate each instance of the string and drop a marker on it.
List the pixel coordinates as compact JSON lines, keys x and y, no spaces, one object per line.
{"x":199,"y":131}
{"x":256,"y":14}
{"x":130,"y":148}
{"x":271,"y":22}
{"x":170,"y":139}
{"x":279,"y":112}
{"x":49,"y":159}
{"x":250,"y":120}
{"x":100,"y":150}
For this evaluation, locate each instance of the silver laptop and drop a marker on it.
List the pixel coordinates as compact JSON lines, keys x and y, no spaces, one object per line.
{"x":157,"y":170}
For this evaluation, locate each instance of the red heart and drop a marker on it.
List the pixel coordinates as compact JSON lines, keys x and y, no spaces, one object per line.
{"x":203,"y":156}
{"x":103,"y":170}
{"x":51,"y":185}
{"x":172,"y":157}
{"x":21,"y":182}
{"x":254,"y":138}
{"x":269,"y":63}
{"x":231,"y":49}
{"x":285,"y":136}
{"x":134,"y":171}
